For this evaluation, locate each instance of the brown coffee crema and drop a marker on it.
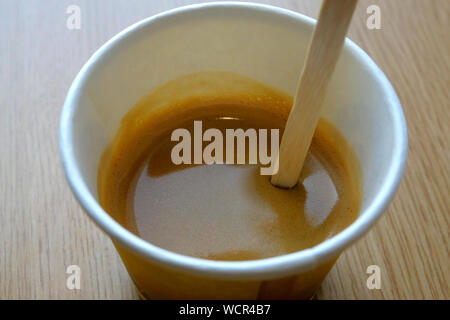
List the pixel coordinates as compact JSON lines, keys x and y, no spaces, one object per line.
{"x":223,"y":211}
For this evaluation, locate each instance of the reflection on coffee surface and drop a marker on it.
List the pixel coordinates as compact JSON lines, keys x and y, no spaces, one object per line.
{"x":224,"y":211}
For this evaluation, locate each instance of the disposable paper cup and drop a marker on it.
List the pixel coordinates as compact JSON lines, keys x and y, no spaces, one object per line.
{"x":267,"y":44}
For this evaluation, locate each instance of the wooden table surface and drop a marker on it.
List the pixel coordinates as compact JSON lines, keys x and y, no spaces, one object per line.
{"x":43,"y":229}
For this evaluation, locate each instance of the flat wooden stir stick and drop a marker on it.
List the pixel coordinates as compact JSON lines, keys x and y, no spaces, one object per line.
{"x":323,"y":53}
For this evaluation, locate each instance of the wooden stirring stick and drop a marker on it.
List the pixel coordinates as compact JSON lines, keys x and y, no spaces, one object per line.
{"x":323,"y":53}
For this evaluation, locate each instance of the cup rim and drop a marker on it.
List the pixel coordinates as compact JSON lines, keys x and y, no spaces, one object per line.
{"x":268,"y":268}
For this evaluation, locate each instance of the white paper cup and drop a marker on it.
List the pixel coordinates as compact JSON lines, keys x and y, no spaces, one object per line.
{"x":267,"y":44}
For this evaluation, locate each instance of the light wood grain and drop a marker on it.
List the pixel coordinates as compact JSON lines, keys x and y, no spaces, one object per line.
{"x":323,"y":53}
{"x":43,"y":229}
